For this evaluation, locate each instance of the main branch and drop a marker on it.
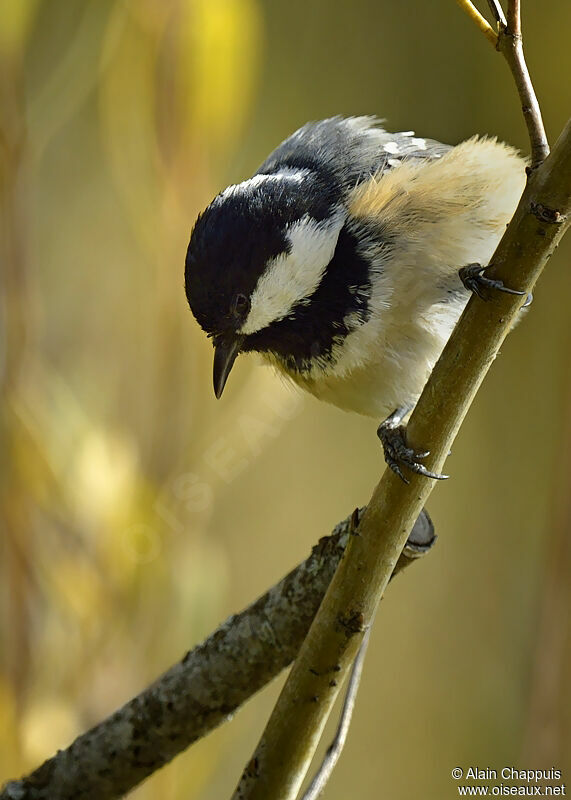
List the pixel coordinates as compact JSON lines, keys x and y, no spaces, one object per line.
{"x":282,"y":757}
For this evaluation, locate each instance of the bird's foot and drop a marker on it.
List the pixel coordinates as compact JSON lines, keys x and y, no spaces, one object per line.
{"x":474,"y":279}
{"x":397,"y":452}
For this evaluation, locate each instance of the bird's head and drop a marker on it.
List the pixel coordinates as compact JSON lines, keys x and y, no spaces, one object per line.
{"x":256,"y":260}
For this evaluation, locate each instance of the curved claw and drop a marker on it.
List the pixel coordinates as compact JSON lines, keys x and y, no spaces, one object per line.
{"x":474,"y":279}
{"x":397,"y":452}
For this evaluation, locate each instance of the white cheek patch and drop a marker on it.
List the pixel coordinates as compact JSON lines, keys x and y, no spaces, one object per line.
{"x":293,"y":277}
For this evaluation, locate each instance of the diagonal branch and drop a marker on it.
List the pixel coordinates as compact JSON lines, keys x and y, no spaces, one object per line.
{"x":292,"y":734}
{"x":282,"y":757}
{"x":204,"y":689}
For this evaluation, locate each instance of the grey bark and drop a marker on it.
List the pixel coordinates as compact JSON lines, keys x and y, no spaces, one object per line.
{"x":203,"y":689}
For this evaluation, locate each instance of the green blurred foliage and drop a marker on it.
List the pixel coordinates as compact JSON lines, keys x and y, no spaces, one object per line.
{"x":136,"y":511}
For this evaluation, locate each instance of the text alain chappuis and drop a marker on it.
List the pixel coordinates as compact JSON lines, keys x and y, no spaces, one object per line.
{"x":518,"y":781}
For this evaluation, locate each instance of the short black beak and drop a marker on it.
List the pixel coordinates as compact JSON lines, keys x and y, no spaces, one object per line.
{"x":225,"y":352}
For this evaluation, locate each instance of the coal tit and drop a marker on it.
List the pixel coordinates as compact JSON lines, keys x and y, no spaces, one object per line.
{"x":347,"y":259}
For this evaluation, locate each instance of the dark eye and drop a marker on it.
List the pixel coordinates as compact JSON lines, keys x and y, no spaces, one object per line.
{"x":241,"y":305}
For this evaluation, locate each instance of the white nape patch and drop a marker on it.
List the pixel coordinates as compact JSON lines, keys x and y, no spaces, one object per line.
{"x":391,"y":147}
{"x":420,"y":143}
{"x":293,"y":277}
{"x":285,"y":174}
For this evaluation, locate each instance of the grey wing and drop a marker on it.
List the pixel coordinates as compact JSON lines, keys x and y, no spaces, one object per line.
{"x":349,"y":149}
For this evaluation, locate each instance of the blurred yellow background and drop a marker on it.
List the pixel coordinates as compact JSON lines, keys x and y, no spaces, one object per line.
{"x":138,"y":512}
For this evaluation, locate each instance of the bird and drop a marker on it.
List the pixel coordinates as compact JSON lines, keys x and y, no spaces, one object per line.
{"x":347,"y":259}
